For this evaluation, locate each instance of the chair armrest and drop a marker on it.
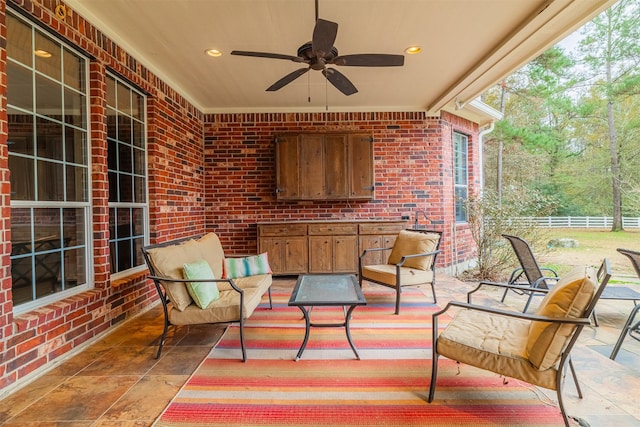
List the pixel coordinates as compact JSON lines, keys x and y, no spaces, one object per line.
{"x":514,"y":314}
{"x":166,"y":279}
{"x":520,"y":287}
{"x":405,"y":257}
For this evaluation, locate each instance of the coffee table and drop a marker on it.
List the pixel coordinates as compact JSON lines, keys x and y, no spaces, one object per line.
{"x":314,"y":290}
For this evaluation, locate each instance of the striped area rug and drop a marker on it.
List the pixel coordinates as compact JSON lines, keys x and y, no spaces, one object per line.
{"x":329,"y":387}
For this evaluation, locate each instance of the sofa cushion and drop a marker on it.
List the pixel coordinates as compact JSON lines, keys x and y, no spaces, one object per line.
{"x":569,"y":298}
{"x":412,"y":242}
{"x":203,"y":293}
{"x":169,"y":261}
{"x":246,"y":266}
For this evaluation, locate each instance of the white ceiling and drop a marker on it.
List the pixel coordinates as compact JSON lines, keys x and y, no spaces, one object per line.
{"x":468,"y":45}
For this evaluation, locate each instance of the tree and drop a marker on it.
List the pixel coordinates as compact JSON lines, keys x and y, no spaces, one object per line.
{"x":610,"y":52}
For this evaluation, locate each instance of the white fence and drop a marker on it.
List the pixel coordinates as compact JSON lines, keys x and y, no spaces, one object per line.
{"x":578,"y":221}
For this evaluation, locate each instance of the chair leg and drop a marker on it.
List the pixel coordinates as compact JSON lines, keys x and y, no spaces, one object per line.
{"x":504,"y":295}
{"x":434,"y":375}
{"x":526,"y":306}
{"x":561,"y":405}
{"x":398,"y":291}
{"x":162,"y":338}
{"x":627,"y":328}
{"x":575,"y":378}
{"x":433,"y":291}
{"x":244,"y":350}
{"x":270,"y":301}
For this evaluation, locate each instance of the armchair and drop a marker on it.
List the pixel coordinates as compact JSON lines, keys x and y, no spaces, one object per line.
{"x":530,"y":347}
{"x":412,"y":262}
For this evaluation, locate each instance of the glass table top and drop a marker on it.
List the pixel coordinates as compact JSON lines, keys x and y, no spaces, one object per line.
{"x":327,"y":289}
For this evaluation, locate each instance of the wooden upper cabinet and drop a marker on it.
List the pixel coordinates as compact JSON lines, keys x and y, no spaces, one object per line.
{"x":324,"y":167}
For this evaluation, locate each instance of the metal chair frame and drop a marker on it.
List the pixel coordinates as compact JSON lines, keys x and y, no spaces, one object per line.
{"x":603,"y":275}
{"x":631,"y":326}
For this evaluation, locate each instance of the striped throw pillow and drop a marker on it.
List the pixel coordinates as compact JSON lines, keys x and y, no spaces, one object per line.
{"x":246,"y":266}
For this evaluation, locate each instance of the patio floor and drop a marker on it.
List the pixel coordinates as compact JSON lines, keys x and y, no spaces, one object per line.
{"x":116,"y":381}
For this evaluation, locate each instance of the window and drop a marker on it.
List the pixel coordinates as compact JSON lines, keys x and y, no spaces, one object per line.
{"x":461,"y":175}
{"x":49,"y":166}
{"x":128,"y":209}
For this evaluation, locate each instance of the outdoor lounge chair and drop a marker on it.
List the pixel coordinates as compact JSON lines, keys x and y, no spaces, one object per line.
{"x":412,"y":262}
{"x":528,"y":275}
{"x":631,"y":326}
{"x":530,"y":347}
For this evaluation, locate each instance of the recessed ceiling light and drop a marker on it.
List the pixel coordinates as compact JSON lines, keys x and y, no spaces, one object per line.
{"x":412,"y":50}
{"x":213,"y":52}
{"x":42,"y":53}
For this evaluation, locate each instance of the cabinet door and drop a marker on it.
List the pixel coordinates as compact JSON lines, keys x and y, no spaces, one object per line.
{"x":296,"y":255}
{"x":287,"y":168}
{"x":370,"y":242}
{"x":311,"y":167}
{"x":336,"y":166}
{"x":361,"y":178}
{"x":320,"y":254}
{"x":274,"y":247}
{"x":345,"y":254}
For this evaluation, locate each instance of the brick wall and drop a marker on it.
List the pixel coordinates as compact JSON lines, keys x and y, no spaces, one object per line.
{"x":413,"y":156}
{"x":30,"y":340}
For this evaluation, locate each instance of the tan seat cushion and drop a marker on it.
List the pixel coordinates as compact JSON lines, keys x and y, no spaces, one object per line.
{"x":412,"y":242}
{"x":492,"y":342}
{"x":224,"y":309}
{"x":567,"y":299}
{"x":386,"y":273}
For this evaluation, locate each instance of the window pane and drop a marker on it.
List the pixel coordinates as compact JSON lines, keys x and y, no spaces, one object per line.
{"x":20,"y":231}
{"x":137,"y":250}
{"x":138,"y":161}
{"x":48,"y":98}
{"x":22,"y":276}
{"x":73,"y":227}
{"x":73,"y":71}
{"x":22,"y":178}
{"x":19,"y":40}
{"x":112,"y":224}
{"x":50,"y":181}
{"x":76,"y":190}
{"x":75,"y":146}
{"x":123,"y":230}
{"x":113,"y":187}
{"x":112,"y":129}
{"x":124,"y":129}
{"x":124,"y":99}
{"x":48,"y":55}
{"x":20,"y":139}
{"x":125,"y":162}
{"x":46,"y":225}
{"x":74,"y":104}
{"x":124,"y":255}
{"x":138,"y":134}
{"x":49,"y":137}
{"x":126,"y":188}
{"x":74,"y":268}
{"x":140,"y":187}
{"x":19,"y":86}
{"x":138,"y":222}
{"x":138,"y":106}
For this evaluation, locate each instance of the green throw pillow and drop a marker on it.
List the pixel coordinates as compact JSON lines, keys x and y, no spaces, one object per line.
{"x":247,"y":266}
{"x":203,"y":293}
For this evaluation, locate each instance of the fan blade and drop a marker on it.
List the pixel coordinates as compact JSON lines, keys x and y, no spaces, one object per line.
{"x":287,"y":79}
{"x":340,"y":81}
{"x":324,"y":35}
{"x":370,"y":60}
{"x":267,"y":55}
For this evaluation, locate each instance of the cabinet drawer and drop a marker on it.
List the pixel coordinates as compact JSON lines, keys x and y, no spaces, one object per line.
{"x":333,"y":229}
{"x":384,"y":228}
{"x":282,"y":230}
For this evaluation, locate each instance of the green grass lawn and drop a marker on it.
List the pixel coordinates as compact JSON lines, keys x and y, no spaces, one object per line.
{"x":593,"y":247}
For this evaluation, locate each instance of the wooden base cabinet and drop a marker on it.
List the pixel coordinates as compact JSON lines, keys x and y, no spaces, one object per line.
{"x":324,"y":246}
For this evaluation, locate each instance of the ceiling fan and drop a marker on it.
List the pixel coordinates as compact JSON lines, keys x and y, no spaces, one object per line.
{"x":320,"y":52}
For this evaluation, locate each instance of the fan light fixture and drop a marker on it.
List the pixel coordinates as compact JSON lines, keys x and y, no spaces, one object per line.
{"x":213,"y":52}
{"x":413,"y":50}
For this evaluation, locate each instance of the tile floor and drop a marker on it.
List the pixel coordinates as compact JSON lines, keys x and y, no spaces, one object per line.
{"x":117,"y":382}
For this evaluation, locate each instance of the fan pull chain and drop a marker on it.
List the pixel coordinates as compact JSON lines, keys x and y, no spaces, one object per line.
{"x":326,"y":94}
{"x":309,"y":87}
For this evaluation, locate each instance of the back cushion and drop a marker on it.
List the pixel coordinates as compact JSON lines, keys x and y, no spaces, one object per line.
{"x":168,"y":261}
{"x":412,"y":242}
{"x":569,"y":298}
